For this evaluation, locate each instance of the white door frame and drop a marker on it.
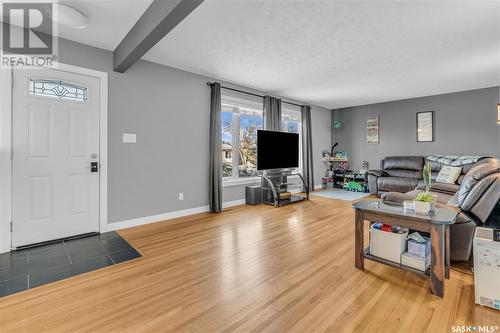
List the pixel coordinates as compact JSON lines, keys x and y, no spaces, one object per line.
{"x":6,"y":90}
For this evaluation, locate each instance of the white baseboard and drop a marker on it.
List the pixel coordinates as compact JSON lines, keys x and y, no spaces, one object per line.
{"x":233,"y":203}
{"x":155,"y":218}
{"x":168,"y":216}
{"x":4,"y":249}
{"x":318,"y":187}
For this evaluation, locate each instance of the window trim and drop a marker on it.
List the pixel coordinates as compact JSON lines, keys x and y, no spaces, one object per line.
{"x":298,"y":111}
{"x":236,"y":104}
{"x":230,"y":181}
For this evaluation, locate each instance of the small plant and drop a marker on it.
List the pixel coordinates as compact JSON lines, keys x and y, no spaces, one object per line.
{"x":424,"y":197}
{"x":426,"y":173}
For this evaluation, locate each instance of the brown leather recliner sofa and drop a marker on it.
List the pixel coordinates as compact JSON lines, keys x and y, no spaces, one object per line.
{"x":475,"y":195}
{"x":404,"y":173}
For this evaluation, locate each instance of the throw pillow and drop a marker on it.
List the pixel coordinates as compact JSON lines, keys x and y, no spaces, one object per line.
{"x":448,"y":174}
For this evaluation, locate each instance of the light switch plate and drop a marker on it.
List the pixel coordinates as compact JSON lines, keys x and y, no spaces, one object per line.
{"x":129,"y":138}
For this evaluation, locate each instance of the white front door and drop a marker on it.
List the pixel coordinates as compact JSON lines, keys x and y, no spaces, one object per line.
{"x":55,"y":139}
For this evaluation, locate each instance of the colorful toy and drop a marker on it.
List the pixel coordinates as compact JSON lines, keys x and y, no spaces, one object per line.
{"x":344,"y":165}
{"x":353,"y":186}
{"x":327,"y":182}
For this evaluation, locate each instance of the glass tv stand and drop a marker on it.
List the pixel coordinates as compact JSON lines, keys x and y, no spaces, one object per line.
{"x":283,"y":187}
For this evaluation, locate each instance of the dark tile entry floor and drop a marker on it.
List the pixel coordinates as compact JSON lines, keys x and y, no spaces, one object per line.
{"x":33,"y":267}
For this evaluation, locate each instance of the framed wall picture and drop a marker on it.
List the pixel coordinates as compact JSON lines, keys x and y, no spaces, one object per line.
{"x":372,"y":130}
{"x":425,"y":126}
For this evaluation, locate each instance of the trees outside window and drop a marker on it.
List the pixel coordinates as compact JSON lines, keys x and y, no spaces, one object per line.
{"x":239,"y":140}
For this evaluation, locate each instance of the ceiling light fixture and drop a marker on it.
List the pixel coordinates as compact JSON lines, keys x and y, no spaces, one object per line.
{"x":69,"y":16}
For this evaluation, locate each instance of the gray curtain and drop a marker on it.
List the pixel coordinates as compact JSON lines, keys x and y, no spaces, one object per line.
{"x":307,"y":152}
{"x":215,"y":175}
{"x":272,"y":113}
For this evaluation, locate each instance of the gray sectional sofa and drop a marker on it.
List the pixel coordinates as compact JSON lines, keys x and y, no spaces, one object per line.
{"x":475,"y":195}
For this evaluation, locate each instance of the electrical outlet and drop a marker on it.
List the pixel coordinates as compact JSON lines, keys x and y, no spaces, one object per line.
{"x":181,"y":195}
{"x":129,"y":138}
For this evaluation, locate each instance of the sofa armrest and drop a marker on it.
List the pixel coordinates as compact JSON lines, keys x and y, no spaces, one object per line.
{"x":378,"y":173}
{"x":396,"y":197}
{"x":373,"y":176}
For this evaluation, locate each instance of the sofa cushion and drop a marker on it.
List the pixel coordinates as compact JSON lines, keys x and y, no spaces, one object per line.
{"x":476,"y":173}
{"x":476,"y":192}
{"x":483,"y":208}
{"x":396,"y":184}
{"x":434,"y":175}
{"x":453,"y":200}
{"x":445,"y":188}
{"x":378,"y":173}
{"x":442,"y":198}
{"x":404,"y":173}
{"x":450,"y":189}
{"x":435,"y":166}
{"x":466,"y":168}
{"x":448,"y":174}
{"x":415,"y":163}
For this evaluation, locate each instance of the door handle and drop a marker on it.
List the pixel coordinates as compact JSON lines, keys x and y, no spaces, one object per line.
{"x":94,"y":167}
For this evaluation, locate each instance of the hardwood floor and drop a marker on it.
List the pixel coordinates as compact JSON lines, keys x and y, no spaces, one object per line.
{"x":247,"y":269}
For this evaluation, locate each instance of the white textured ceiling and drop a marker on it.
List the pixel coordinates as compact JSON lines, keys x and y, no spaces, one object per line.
{"x":329,"y":53}
{"x":340,"y":53}
{"x":108,"y":21}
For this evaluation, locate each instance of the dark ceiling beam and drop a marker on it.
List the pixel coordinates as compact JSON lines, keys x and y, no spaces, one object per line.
{"x":156,"y":22}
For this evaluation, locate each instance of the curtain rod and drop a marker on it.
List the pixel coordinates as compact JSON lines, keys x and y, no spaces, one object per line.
{"x":252,"y":94}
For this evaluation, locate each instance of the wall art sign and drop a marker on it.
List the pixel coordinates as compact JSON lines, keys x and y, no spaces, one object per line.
{"x":425,"y":126}
{"x":372,"y":130}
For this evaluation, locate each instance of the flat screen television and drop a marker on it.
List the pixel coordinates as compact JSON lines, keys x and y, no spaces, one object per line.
{"x":277,"y":150}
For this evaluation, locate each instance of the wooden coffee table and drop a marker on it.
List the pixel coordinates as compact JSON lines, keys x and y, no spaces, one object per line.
{"x":437,"y":224}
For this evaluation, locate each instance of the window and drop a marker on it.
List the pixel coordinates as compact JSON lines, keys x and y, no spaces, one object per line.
{"x":57,"y":89}
{"x":291,"y":122}
{"x":240,"y":120}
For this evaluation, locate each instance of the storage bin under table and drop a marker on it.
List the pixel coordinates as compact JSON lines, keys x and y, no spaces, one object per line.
{"x":387,"y":245}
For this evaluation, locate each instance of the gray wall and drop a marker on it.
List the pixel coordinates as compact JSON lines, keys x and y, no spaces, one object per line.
{"x":465,"y":123}
{"x":168,"y":109}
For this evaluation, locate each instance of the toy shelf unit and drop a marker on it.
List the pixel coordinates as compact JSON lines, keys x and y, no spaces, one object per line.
{"x":356,"y":181}
{"x":283,"y":187}
{"x":333,"y":162}
{"x":335,"y":159}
